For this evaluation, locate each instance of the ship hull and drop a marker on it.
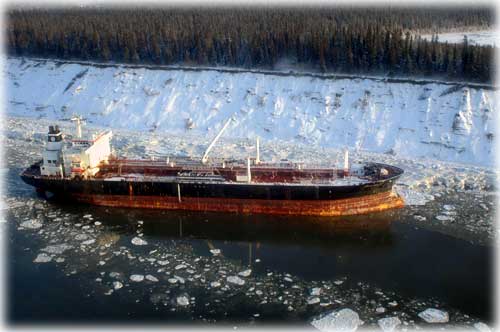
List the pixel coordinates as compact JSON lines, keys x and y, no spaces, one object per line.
{"x":306,"y":200}
{"x":327,"y":208}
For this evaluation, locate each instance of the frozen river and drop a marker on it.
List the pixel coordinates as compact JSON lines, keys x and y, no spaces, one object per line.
{"x":83,"y":263}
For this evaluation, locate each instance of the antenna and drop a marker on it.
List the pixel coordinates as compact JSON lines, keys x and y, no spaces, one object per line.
{"x":207,"y":151}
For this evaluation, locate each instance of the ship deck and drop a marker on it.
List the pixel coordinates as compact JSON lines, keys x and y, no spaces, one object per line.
{"x":186,"y":170}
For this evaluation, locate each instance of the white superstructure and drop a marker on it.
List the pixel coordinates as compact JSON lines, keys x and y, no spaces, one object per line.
{"x":80,"y":160}
{"x":53,"y":164}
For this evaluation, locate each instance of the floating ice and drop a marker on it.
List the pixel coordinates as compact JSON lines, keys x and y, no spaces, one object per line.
{"x":393,"y":304}
{"x":245,"y":273}
{"x":443,"y":218}
{"x":57,"y":249}
{"x":81,"y":237}
{"x":42,"y":258}
{"x":137,"y":277}
{"x":316,"y":291}
{"x":389,"y":324}
{"x":31,"y":224}
{"x":235,"y":280}
{"x":180,"y":267}
{"x":117,"y":285}
{"x":313,"y":300}
{"x":88,"y":242}
{"x":432,"y":315}
{"x":173,"y":280}
{"x":180,"y":279}
{"x":215,"y":284}
{"x":183,"y":300}
{"x":138,"y":241}
{"x":344,"y":320}
{"x":151,"y":278}
{"x":380,"y":310}
{"x":482,"y":327}
{"x":215,"y":252}
{"x":419,"y":218}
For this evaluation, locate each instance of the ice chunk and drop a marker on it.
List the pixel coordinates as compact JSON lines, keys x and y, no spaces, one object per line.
{"x":183,"y":300}
{"x":345,"y":320}
{"x":57,"y":249}
{"x":215,"y":284}
{"x":245,"y":273}
{"x":180,"y":267}
{"x":137,"y":277}
{"x":215,"y":252}
{"x":235,"y":280}
{"x":117,"y":285}
{"x":313,"y":300}
{"x":81,"y":237}
{"x":389,"y":324}
{"x":432,"y":315}
{"x":151,"y":278}
{"x":482,"y":327}
{"x":316,"y":291}
{"x":42,"y":258}
{"x":138,"y":241}
{"x":31,"y":224}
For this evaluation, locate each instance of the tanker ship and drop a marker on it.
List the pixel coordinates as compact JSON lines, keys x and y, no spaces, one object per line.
{"x":86,"y":171}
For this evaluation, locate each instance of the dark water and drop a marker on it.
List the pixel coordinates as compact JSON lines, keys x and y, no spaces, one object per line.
{"x":382,"y":250}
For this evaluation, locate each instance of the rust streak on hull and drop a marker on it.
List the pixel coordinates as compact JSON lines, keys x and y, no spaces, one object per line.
{"x":328,"y":208}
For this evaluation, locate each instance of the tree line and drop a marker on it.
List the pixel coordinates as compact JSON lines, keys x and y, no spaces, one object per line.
{"x":331,"y":39}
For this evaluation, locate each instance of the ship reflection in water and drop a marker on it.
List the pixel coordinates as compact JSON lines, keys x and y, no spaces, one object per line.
{"x":262,"y":231}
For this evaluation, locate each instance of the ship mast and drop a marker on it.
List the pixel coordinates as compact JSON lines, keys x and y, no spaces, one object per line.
{"x":78,"y":120}
{"x":205,"y":156}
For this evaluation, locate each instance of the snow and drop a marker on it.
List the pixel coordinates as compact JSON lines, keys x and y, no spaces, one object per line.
{"x":425,"y":120}
{"x":432,"y":315}
{"x":481,"y":37}
{"x":345,"y":320}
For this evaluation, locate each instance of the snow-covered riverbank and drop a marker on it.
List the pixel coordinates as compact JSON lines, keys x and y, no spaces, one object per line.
{"x":436,"y":121}
{"x":481,"y":37}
